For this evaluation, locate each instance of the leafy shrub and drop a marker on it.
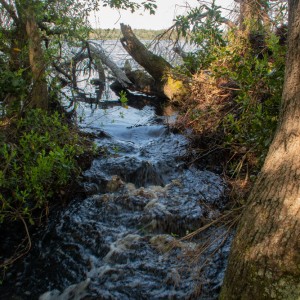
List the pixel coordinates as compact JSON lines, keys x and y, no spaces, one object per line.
{"x":235,"y":99}
{"x":259,"y":82}
{"x":202,"y":28}
{"x":38,"y":160}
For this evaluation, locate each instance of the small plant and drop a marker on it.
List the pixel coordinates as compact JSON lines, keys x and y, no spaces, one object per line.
{"x":123,"y":98}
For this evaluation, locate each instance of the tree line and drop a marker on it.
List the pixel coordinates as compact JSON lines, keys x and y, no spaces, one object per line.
{"x":116,"y":34}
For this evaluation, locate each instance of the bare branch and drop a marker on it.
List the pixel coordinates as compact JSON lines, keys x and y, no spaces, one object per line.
{"x":97,"y":51}
{"x":228,"y":22}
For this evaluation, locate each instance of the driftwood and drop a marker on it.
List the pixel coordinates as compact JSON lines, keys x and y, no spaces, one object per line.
{"x":97,"y":57}
{"x":98,"y":52}
{"x":100,"y":69}
{"x":155,"y":65}
{"x":70,"y":76}
{"x":156,"y":80}
{"x":142,"y":81}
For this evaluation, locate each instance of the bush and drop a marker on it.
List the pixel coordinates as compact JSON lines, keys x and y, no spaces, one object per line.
{"x":234,"y":104}
{"x":259,"y":80}
{"x":38,"y":160}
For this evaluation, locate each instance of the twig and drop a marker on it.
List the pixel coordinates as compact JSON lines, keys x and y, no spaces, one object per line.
{"x":205,"y":227}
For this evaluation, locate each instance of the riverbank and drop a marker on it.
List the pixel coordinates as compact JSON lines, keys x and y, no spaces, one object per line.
{"x":43,"y":156}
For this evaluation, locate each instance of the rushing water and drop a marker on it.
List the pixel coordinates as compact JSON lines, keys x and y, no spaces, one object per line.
{"x":123,"y":240}
{"x":120,"y":242}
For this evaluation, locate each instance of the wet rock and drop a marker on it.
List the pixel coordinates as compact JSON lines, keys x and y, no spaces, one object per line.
{"x":114,"y":184}
{"x":134,"y":203}
{"x":173,"y":278}
{"x":185,"y":203}
{"x":91,"y":188}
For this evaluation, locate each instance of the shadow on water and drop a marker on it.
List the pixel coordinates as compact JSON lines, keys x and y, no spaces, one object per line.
{"x":135,"y":100}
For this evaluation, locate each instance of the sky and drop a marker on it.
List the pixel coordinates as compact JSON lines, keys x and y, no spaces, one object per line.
{"x":165,"y":13}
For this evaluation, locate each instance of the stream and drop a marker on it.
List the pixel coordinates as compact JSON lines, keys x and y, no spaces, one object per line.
{"x":124,"y":240}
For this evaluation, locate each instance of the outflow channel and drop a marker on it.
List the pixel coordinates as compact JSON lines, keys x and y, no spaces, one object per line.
{"x":123,"y":240}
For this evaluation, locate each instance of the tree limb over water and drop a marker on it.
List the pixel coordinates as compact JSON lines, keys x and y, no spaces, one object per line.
{"x":155,"y":65}
{"x":155,"y":79}
{"x":98,"y":52}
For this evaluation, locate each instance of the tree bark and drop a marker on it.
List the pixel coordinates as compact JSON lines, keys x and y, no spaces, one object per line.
{"x":155,"y":65}
{"x":253,"y":15}
{"x":39,"y":91}
{"x":265,"y":257}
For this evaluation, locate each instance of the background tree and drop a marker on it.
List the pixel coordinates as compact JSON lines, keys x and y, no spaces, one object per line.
{"x":265,"y":257}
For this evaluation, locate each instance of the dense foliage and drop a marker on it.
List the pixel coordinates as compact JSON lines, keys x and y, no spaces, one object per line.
{"x":257,"y":98}
{"x":237,"y":86}
{"x":39,"y":151}
{"x":34,"y":36}
{"x":39,"y":155}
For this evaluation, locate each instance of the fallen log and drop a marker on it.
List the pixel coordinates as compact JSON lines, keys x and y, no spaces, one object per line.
{"x":97,"y":51}
{"x":143,"y":83}
{"x":156,"y":66}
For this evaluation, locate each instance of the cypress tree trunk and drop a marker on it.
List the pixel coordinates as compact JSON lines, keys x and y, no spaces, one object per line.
{"x":155,"y":65}
{"x":265,"y":258}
